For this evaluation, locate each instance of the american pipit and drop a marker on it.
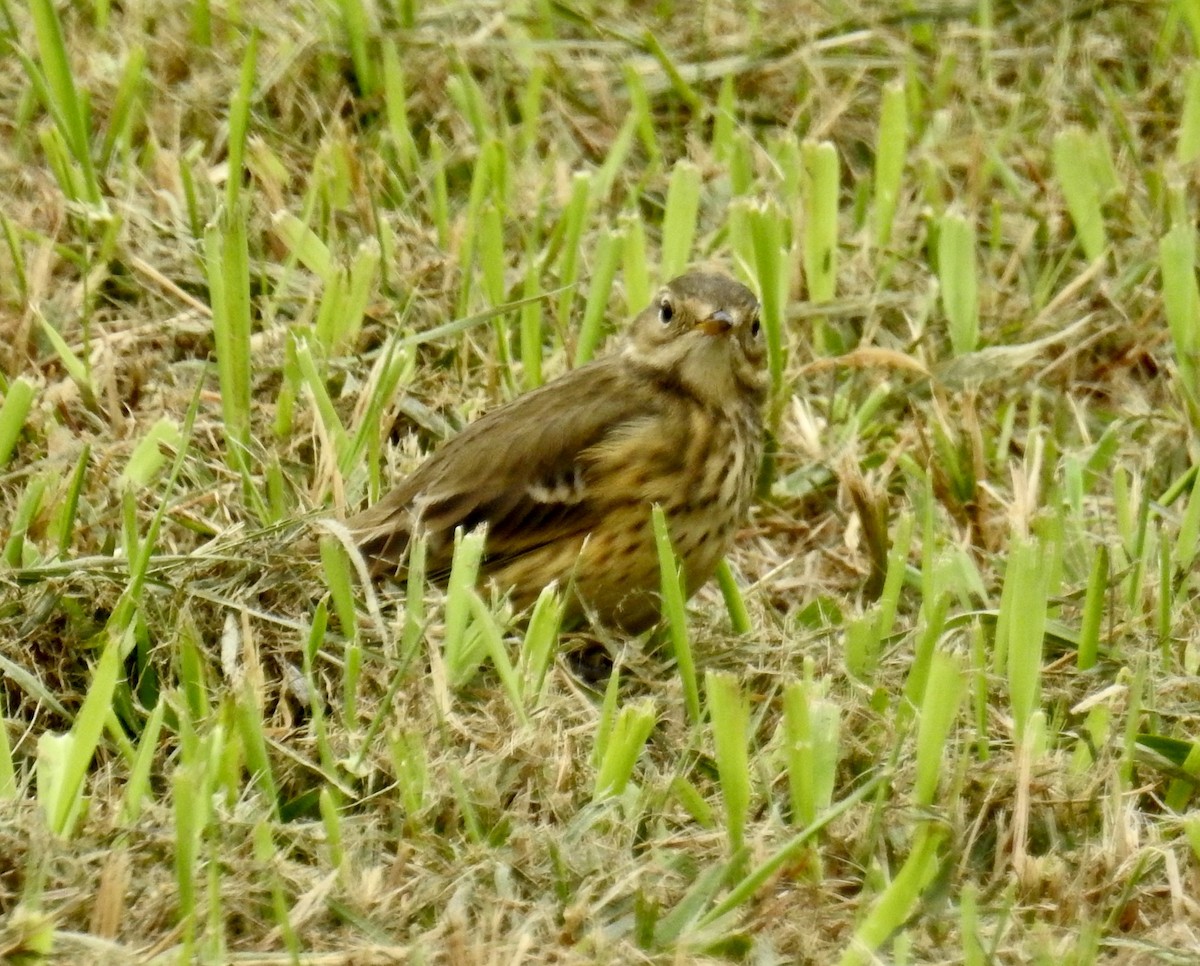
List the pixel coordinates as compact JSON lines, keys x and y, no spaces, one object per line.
{"x":564,"y":477}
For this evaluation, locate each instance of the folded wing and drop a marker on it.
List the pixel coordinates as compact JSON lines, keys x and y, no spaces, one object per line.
{"x":521,"y":470}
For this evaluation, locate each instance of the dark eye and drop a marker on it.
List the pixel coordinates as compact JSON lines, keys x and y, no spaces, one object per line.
{"x":665,"y":311}
{"x":755,"y":327}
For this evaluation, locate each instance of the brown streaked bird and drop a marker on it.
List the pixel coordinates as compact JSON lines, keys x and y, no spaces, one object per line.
{"x":564,"y":477}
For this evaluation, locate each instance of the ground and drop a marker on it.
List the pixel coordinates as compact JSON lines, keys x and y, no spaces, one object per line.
{"x":258,"y":258}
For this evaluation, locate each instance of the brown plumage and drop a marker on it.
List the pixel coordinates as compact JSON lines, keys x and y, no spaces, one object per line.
{"x":564,"y":476}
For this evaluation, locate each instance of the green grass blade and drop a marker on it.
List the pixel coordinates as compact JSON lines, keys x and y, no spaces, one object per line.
{"x":62,"y":530}
{"x":62,"y":807}
{"x":735,"y":605}
{"x":633,"y":264}
{"x":679,"y":219}
{"x":641,"y":114}
{"x":396,"y":105}
{"x":458,"y":649}
{"x":531,"y":103}
{"x":531,"y":328}
{"x":675,"y":613}
{"x":77,"y":368}
{"x":820,"y":201}
{"x":765,"y":226}
{"x":239,"y":124}
{"x":540,"y":644}
{"x":303,"y":243}
{"x":764,"y":873}
{"x":334,"y":431}
{"x":938,"y":709}
{"x":8,"y":773}
{"x":126,"y":103}
{"x":891,"y":149}
{"x":1187,"y":540}
{"x":1187,"y":148}
{"x":227,"y":261}
{"x":414,"y":602}
{"x":1093,"y":610}
{"x":729,"y":718}
{"x":623,"y":747}
{"x":811,"y":725}
{"x":138,"y":784}
{"x":19,"y":279}
{"x":493,"y":644}
{"x":147,"y":458}
{"x":898,"y":900}
{"x":617,"y":161}
{"x":13,"y":413}
{"x":1076,"y":168}
{"x":958,"y":273}
{"x":724,"y":116}
{"x":338,"y":579}
{"x":679,"y":84}
{"x":672,"y":927}
{"x":190,"y":790}
{"x":595,"y":312}
{"x":252,"y":730}
{"x":65,"y":103}
{"x":357,"y":26}
{"x":1031,"y":569}
{"x":1181,"y":301}
{"x":571,"y":226}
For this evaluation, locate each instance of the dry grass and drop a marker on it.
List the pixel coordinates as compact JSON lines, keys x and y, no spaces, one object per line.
{"x":462,"y":834}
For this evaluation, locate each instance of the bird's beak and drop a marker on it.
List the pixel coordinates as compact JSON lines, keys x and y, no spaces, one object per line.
{"x":718,"y":323}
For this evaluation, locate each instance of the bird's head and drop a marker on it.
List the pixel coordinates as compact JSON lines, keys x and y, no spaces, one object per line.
{"x":703,"y":330}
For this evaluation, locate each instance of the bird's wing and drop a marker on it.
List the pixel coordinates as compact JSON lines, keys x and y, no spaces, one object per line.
{"x":522,"y":470}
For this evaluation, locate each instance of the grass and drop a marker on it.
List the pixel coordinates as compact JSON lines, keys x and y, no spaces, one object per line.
{"x":942,"y":704}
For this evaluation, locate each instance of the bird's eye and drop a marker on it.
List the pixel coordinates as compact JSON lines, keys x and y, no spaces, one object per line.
{"x":755,"y":326}
{"x":665,"y":311}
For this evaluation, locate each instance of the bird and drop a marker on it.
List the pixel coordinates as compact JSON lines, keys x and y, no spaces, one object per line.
{"x":564,"y":476}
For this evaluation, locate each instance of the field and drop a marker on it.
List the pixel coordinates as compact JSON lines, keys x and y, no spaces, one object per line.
{"x":943,"y":705}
